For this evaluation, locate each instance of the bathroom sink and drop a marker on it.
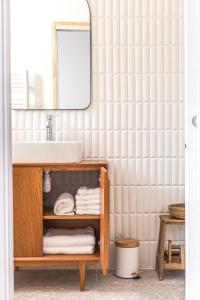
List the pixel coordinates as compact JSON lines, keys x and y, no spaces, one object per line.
{"x":47,"y":152}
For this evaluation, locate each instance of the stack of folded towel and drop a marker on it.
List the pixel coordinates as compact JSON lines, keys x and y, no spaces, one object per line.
{"x":64,"y":205}
{"x":88,"y":201}
{"x":69,"y":241}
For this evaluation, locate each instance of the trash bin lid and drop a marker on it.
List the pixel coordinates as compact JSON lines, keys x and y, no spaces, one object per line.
{"x":127,"y":243}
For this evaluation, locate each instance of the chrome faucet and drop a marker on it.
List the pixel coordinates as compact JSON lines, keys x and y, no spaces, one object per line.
{"x":49,"y":127}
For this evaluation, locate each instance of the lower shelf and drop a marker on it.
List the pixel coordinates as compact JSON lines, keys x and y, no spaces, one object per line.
{"x":57,"y":260}
{"x":174,"y":266}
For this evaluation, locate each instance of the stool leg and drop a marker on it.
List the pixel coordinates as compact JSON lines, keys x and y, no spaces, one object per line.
{"x":82,"y":270}
{"x":161,"y":250}
{"x":182,"y":255}
{"x":169,"y":251}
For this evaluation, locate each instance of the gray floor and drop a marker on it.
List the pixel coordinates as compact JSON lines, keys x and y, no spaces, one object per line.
{"x":64,"y":285}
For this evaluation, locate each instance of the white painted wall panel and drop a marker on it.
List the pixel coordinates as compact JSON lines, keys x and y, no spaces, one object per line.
{"x":136,"y":116}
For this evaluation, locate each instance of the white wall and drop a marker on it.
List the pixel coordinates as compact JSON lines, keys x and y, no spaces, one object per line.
{"x":136,"y":119}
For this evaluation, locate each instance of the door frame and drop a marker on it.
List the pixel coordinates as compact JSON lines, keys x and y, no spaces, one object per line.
{"x":192,"y":153}
{"x":6,"y":228}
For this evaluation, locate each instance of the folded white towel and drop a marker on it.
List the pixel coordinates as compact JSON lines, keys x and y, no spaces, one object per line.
{"x":86,"y":203}
{"x":67,"y":214}
{"x":63,"y":237}
{"x":83,"y":190}
{"x":69,"y":250}
{"x":88,"y":207}
{"x":88,"y":212}
{"x":87,"y":197}
{"x":64,"y":204}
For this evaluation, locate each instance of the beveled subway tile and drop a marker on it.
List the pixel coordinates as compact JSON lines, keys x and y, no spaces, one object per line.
{"x":131,"y":116}
{"x":160,"y":64}
{"x":160,"y":29}
{"x":116,"y":8}
{"x":138,"y":8}
{"x":112,"y":227}
{"x":168,"y":59}
{"x":138,"y":59}
{"x":153,"y":88}
{"x":131,"y":59}
{"x":145,"y":31}
{"x":116,"y":30}
{"x":138,"y":31}
{"x":146,"y":62}
{"x":160,"y":144}
{"x":109,"y":88}
{"x":139,"y":143}
{"x":124,"y":116}
{"x":109,"y":60}
{"x":152,"y":31}
{"x":131,"y":31}
{"x":124,"y":144}
{"x":101,"y":31}
{"x":108,"y":8}
{"x":145,"y":8}
{"x":109,"y":144}
{"x":153,"y":59}
{"x":124,"y":88}
{"x":118,"y":226}
{"x":123,"y":31}
{"x":101,"y":8}
{"x":131,"y":8}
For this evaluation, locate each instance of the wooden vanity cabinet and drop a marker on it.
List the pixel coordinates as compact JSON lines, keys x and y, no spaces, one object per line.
{"x":28,"y":211}
{"x":30,"y":220}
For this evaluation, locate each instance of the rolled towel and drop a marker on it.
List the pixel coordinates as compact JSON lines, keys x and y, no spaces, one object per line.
{"x":89,"y":202}
{"x":87,"y":197}
{"x":64,"y":204}
{"x":63,"y":237}
{"x":69,"y":250}
{"x":88,"y":212}
{"x":83,"y":190}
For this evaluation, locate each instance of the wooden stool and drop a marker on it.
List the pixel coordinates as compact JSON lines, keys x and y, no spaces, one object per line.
{"x":164,"y":259}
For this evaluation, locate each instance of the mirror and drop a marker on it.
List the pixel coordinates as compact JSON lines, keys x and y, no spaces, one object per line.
{"x":50,"y":54}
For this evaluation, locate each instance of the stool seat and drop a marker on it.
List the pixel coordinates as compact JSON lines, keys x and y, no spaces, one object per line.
{"x":161,"y":265}
{"x":169,"y":220}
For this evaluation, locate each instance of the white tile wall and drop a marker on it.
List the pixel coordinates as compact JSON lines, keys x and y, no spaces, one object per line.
{"x":136,"y":119}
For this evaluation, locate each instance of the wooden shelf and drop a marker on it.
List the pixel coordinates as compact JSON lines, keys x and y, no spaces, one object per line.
{"x":84,"y":165}
{"x":56,"y":260}
{"x":49,"y":215}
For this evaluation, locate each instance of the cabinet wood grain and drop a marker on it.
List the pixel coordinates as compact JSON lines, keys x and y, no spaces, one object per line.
{"x":104,"y":221}
{"x":28,"y":211}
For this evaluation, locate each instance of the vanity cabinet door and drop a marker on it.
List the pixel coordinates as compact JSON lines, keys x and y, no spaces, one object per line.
{"x":28,"y":211}
{"x":104,"y":221}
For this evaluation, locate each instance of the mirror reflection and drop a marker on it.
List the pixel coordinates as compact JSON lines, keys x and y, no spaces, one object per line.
{"x":50,"y":54}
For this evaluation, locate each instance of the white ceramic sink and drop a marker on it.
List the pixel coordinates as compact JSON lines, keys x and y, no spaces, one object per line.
{"x":47,"y":152}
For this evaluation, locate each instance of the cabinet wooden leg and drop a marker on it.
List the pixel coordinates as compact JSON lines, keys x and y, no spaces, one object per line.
{"x":104,"y":269}
{"x":82,"y":270}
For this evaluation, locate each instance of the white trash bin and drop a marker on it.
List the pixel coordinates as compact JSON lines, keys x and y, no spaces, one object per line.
{"x":127,"y":258}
